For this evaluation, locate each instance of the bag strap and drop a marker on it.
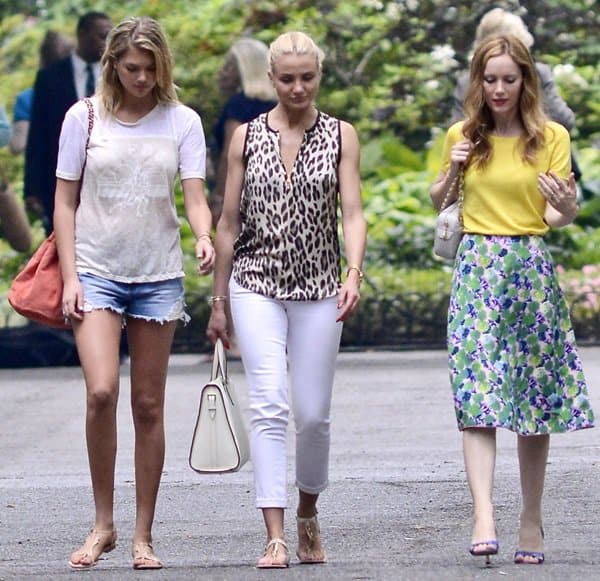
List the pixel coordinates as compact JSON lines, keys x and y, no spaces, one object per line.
{"x":90,"y":108}
{"x":457,"y":182}
{"x":219,"y":365}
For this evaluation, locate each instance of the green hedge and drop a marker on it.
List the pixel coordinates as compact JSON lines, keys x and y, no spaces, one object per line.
{"x":408,"y":309}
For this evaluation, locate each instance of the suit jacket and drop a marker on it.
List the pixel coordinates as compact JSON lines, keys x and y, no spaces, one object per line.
{"x":54,"y":93}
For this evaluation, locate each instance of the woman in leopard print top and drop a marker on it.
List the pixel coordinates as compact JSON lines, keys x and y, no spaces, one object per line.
{"x":278,"y":258}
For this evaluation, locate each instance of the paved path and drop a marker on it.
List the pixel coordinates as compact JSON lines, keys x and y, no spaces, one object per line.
{"x":397,"y":506}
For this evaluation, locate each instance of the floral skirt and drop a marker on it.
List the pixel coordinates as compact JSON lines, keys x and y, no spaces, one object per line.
{"x":511,"y":347}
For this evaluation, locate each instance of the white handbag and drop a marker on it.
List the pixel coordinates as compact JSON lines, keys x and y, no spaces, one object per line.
{"x":449,"y":224}
{"x":220,"y":440}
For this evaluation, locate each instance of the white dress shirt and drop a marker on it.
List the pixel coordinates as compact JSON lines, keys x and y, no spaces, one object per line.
{"x":79,"y":66}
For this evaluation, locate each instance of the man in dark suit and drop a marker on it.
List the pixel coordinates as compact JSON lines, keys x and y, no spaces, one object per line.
{"x":57,"y":88}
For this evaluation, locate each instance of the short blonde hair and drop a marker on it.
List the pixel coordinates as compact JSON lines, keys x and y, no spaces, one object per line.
{"x":498,"y":22}
{"x":251,"y":57}
{"x":145,"y":34}
{"x":295,"y":42}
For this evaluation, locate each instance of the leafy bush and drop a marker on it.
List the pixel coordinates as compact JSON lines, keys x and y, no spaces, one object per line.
{"x":391,"y":68}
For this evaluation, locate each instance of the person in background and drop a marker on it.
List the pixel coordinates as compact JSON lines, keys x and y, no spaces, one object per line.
{"x":54,"y":47}
{"x":512,"y":353}
{"x":56,"y":88}
{"x":278,"y":257}
{"x":14,"y":224}
{"x":5,"y":128}
{"x":244,"y":79}
{"x":499,"y":21}
{"x":13,"y":220}
{"x":121,"y":259}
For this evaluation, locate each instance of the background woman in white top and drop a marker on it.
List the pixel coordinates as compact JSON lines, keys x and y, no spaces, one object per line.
{"x":121,"y":258}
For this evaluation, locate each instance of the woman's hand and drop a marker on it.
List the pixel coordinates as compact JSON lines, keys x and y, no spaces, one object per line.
{"x":217,"y":325}
{"x":443,"y":192}
{"x":560,"y":194}
{"x":205,"y":253}
{"x":349,"y":297}
{"x":460,"y":153}
{"x":72,"y":299}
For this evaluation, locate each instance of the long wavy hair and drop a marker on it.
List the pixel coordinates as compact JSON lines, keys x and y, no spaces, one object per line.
{"x":479,"y":122}
{"x":146,"y":34}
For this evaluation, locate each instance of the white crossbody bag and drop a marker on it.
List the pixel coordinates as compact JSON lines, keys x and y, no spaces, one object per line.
{"x":220,"y":440}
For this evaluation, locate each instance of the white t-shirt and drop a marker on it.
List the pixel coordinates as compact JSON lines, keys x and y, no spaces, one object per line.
{"x":126,"y":225}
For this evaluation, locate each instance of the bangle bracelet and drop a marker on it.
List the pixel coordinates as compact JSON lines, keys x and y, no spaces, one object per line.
{"x":217,"y":298}
{"x":358,"y":271}
{"x":204,"y":235}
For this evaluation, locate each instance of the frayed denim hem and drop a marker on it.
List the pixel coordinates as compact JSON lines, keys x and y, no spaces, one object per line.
{"x":177,"y":313}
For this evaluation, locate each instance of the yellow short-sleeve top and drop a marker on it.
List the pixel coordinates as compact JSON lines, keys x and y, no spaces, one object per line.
{"x":503,"y":197}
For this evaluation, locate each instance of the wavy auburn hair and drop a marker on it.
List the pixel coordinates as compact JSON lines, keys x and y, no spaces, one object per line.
{"x":479,"y":122}
{"x":145,"y":34}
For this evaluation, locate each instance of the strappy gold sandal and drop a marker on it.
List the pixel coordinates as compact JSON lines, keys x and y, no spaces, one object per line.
{"x":310,"y":551}
{"x":273,"y":558}
{"x":144,"y":557}
{"x":96,"y":543}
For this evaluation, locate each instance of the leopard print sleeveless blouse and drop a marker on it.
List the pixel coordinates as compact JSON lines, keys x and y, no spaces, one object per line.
{"x":288,"y":247}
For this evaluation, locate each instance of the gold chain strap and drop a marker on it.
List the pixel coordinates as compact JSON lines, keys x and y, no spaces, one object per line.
{"x":457,"y":182}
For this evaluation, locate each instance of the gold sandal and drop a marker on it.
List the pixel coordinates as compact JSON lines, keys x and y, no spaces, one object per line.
{"x":310,"y":551}
{"x":144,"y":557}
{"x":270,"y":559}
{"x":96,"y":543}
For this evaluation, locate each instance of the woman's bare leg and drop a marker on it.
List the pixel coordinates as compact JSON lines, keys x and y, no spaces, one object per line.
{"x":533,"y":457}
{"x":98,"y":336}
{"x":149,"y":349}
{"x":479,"y":447}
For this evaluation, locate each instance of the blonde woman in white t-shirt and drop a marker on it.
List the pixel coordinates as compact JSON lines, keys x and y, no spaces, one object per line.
{"x":121,"y":259}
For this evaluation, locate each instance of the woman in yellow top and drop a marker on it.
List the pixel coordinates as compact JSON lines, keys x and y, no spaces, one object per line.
{"x":513,"y":360}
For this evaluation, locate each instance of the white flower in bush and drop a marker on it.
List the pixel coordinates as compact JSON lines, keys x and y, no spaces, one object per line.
{"x":443,"y":54}
{"x":568,"y":75}
{"x":432,"y":85}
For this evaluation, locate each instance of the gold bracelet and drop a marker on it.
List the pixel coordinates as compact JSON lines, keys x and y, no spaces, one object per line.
{"x":216,"y":298}
{"x":204,"y":235}
{"x":358,"y":271}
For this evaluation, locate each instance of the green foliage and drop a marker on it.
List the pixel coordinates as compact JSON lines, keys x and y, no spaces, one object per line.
{"x":390,"y":69}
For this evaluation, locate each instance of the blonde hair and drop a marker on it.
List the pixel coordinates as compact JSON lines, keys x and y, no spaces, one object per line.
{"x":251,"y":57}
{"x":295,"y":43}
{"x":499,"y":21}
{"x":480,"y":122}
{"x":145,"y":34}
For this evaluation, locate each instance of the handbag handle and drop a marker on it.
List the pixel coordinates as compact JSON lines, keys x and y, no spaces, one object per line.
{"x":219,"y":364}
{"x":90,"y":108}
{"x":457,"y":182}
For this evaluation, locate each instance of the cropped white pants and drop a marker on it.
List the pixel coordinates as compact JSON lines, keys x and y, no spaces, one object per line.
{"x":267,"y":329}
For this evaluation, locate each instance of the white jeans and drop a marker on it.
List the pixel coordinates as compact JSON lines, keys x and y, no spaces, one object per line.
{"x":266,"y":329}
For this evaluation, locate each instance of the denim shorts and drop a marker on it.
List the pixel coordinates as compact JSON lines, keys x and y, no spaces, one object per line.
{"x":161,"y":301}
